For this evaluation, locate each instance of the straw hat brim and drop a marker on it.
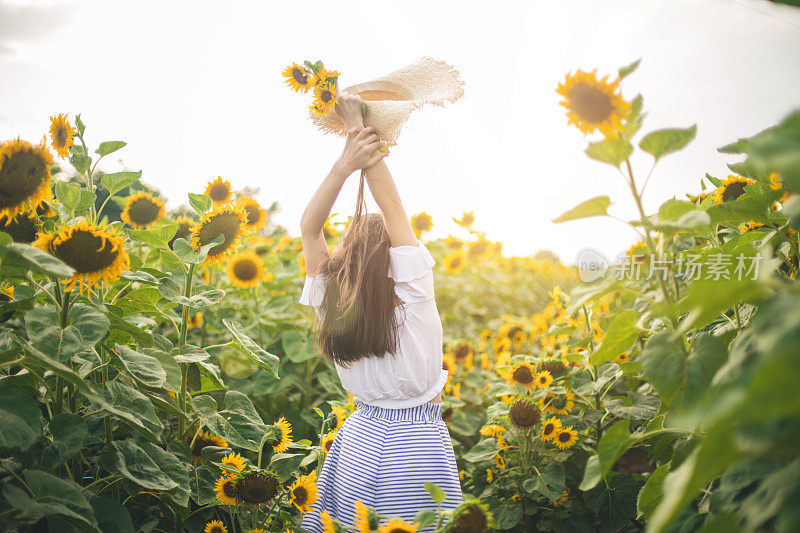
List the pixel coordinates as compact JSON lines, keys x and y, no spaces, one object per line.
{"x":391,"y":99}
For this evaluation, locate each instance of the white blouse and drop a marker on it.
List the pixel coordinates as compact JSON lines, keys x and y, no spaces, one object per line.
{"x":411,"y":375}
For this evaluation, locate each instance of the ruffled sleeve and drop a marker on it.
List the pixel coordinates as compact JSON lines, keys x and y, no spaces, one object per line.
{"x":313,"y":291}
{"x":411,"y":268}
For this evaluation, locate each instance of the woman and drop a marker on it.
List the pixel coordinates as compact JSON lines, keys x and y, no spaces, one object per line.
{"x":379,"y":324}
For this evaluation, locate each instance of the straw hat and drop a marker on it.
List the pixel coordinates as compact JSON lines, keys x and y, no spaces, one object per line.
{"x":391,"y":99}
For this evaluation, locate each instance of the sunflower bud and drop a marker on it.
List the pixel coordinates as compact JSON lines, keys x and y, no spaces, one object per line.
{"x":469,"y":517}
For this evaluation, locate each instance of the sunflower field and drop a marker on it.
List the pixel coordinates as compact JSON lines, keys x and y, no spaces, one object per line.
{"x":157,"y":373}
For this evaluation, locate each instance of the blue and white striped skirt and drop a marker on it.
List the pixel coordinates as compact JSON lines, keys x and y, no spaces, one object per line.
{"x":383,"y":457}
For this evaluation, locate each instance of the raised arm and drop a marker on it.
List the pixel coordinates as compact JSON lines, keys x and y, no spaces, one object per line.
{"x":359,"y":152}
{"x":383,"y":189}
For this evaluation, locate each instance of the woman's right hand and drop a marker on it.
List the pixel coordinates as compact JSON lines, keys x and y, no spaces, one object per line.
{"x":360,"y":150}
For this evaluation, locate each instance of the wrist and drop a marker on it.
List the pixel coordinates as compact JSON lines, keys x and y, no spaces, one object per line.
{"x":341,"y":169}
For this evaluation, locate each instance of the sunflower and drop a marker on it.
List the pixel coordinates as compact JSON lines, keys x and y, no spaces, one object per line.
{"x":543,"y":379}
{"x":61,"y":134}
{"x":235,"y":460}
{"x":524,"y":413}
{"x":219,"y":190}
{"x":284,"y":438}
{"x":453,"y":243}
{"x":195,"y":320}
{"x":339,"y":415}
{"x":556,"y":367}
{"x":523,"y":373}
{"x":560,"y":501}
{"x":227,"y":220}
{"x":95,"y":252}
{"x":397,"y":525}
{"x":326,"y":441}
{"x":454,"y":262}
{"x":24,"y":176}
{"x":750,"y":226}
{"x":324,"y":77}
{"x":297,"y":78}
{"x":366,"y":519}
{"x":203,"y":439}
{"x":329,"y":525}
{"x":255,"y":490}
{"x":324,"y":98}
{"x":142,"y":210}
{"x":731,"y":188}
{"x":495,"y":430}
{"x":421,"y":222}
{"x":303,"y":492}
{"x":245,"y":269}
{"x":184,"y":230}
{"x":550,"y":427}
{"x":225,"y":489}
{"x":593,"y":104}
{"x":215,"y":526}
{"x":467,"y":219}
{"x":486,"y":335}
{"x":22,"y":228}
{"x":478,"y":249}
{"x":469,"y":517}
{"x":560,"y":405}
{"x":565,"y":438}
{"x":622,"y":358}
{"x":256,"y":215}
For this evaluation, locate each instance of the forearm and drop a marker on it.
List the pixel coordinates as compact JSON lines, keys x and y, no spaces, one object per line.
{"x":321,"y":203}
{"x":383,"y":189}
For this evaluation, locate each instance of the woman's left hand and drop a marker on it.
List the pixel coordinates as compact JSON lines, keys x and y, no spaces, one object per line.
{"x":360,"y":150}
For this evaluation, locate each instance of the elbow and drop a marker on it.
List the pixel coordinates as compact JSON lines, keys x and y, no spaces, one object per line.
{"x":307,"y":227}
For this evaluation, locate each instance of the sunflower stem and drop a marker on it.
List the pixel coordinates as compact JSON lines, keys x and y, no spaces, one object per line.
{"x":181,"y":341}
{"x":64,"y":296}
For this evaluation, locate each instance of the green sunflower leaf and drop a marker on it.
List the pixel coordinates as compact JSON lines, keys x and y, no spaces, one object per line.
{"x":199,"y":202}
{"x":145,"y":369}
{"x":246,"y":345}
{"x":109,"y":147}
{"x":80,"y":162}
{"x":619,"y":336}
{"x":52,"y":496}
{"x":116,"y":181}
{"x":19,"y":416}
{"x":41,"y":260}
{"x":629,"y":69}
{"x":662,"y":142}
{"x":436,"y":493}
{"x":613,"y":151}
{"x":594,"y":207}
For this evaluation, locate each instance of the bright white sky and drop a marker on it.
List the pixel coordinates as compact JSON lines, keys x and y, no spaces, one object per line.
{"x":195,"y":88}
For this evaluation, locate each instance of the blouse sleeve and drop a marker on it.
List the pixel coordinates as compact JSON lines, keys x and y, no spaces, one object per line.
{"x":313,"y":291}
{"x":411,"y":268}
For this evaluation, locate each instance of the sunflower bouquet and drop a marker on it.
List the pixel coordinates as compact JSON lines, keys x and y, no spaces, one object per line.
{"x":304,"y":78}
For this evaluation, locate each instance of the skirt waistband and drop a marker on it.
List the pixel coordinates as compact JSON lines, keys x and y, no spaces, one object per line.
{"x":427,"y":412}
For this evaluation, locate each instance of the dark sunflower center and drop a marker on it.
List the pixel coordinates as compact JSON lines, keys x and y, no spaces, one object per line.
{"x":183,"y":232}
{"x":21,"y":228}
{"x":229,"y":488}
{"x":513,"y":331}
{"x":253,"y":214}
{"x":21,"y":175}
{"x":300,"y":495}
{"x":245,"y":269}
{"x":325,"y":95}
{"x":60,"y":136}
{"x":144,"y":211}
{"x":216,"y":529}
{"x":733,"y":191}
{"x":564,"y":437}
{"x":478,"y":248}
{"x":328,"y":445}
{"x":299,"y":75}
{"x":218,"y":192}
{"x":423,"y":223}
{"x":473,"y":521}
{"x":523,"y":414}
{"x":559,"y":403}
{"x":462,"y":351}
{"x":85,"y":252}
{"x":256,"y":489}
{"x":199,"y":444}
{"x":523,"y":375}
{"x":226,"y":224}
{"x":590,"y":103}
{"x":456,"y":262}
{"x":398,"y":530}
{"x":548,"y":428}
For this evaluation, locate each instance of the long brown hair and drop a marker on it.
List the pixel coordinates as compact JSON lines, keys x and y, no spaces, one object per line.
{"x":357,"y":312}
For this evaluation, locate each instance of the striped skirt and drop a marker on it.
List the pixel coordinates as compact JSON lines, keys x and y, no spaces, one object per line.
{"x":383,"y":457}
